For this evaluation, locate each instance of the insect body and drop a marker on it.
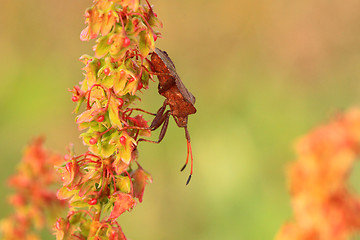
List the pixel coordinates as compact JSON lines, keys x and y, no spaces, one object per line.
{"x":179,"y":99}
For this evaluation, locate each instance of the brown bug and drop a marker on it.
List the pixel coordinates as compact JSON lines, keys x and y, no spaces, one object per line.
{"x":179,"y":99}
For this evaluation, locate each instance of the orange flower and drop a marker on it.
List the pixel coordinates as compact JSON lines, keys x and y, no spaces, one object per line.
{"x":324,"y":207}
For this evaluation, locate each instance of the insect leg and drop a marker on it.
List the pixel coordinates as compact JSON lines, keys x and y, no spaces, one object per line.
{"x":138,"y":109}
{"x":165,"y":121}
{"x":159,"y":117}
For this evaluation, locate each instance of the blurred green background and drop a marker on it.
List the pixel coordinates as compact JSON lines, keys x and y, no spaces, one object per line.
{"x":263,"y":73}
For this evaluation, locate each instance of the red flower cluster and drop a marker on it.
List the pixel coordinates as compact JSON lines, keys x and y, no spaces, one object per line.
{"x":325,"y":208}
{"x":103,"y":183}
{"x":34,"y":201}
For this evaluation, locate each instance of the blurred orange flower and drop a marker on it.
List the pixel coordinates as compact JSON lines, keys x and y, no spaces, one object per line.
{"x":35,"y":202}
{"x":324,"y":207}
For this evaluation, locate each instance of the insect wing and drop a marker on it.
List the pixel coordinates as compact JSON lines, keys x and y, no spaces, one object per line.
{"x":166,"y":59}
{"x":179,"y":84}
{"x":183,"y":90}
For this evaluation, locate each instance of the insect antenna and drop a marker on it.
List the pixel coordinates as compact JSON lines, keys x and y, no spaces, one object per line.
{"x":189,"y":152}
